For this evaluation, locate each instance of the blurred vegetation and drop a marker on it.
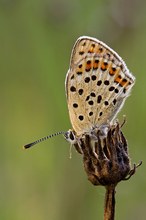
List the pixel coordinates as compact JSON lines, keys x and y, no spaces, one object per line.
{"x":36,"y":38}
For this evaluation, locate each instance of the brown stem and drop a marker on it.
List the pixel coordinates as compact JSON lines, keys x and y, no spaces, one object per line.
{"x":109,"y":208}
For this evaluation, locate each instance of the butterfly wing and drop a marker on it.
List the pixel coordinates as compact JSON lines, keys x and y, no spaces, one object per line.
{"x":97,"y":84}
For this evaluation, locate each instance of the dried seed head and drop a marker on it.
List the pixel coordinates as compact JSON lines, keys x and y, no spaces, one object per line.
{"x":106,"y":160}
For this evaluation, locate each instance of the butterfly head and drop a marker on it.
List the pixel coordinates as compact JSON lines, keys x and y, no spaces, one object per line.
{"x":70,"y":136}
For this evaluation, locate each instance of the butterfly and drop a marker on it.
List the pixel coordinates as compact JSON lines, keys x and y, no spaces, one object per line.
{"x":97,"y":84}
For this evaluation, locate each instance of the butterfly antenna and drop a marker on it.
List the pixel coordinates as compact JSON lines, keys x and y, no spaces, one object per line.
{"x":43,"y":139}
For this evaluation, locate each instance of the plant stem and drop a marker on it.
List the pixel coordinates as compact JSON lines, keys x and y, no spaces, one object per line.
{"x":109,"y":207}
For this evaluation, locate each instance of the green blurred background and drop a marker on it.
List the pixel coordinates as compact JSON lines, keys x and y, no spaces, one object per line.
{"x":36,"y":38}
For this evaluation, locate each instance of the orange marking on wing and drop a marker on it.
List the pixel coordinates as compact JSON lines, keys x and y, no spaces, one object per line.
{"x":124,"y":82}
{"x":91,"y":50}
{"x":112,"y":71}
{"x":104,"y":66}
{"x":88,"y":66}
{"x":118,"y":79}
{"x":95,"y":64}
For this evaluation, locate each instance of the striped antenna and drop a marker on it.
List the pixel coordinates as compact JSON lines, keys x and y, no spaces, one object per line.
{"x":43,"y":139}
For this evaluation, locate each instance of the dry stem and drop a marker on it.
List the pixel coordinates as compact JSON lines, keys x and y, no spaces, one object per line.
{"x":109,"y":207}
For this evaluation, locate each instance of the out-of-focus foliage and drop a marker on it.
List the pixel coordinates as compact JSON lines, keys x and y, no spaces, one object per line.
{"x":36,"y":38}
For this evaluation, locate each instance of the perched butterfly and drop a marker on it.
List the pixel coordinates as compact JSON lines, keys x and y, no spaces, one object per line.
{"x":97,"y":85}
